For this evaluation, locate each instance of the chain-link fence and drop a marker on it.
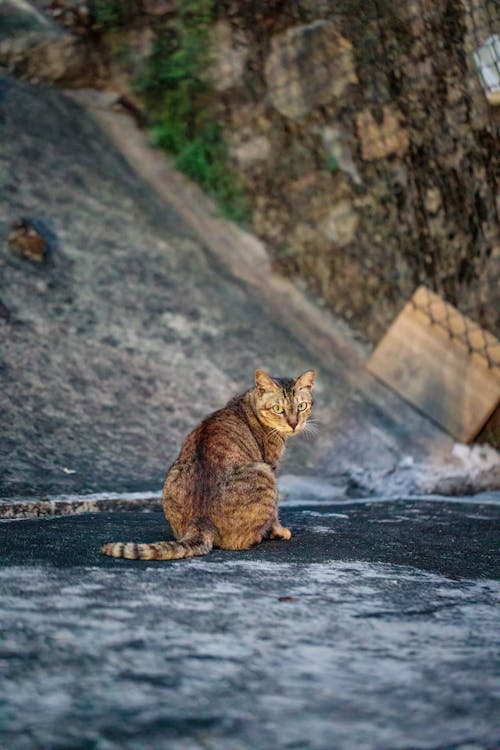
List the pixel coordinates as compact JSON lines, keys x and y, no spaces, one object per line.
{"x":475,"y":339}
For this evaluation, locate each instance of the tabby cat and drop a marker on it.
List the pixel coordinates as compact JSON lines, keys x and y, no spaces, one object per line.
{"x":221,"y":490}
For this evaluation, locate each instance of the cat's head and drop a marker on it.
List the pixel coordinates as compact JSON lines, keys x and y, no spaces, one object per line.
{"x":284,"y":404}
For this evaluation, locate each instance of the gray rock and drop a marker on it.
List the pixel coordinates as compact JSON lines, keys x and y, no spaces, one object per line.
{"x":308,"y":66}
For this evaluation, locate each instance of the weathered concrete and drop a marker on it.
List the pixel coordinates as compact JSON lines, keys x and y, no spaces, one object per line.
{"x":374,"y":628}
{"x":152,"y":313}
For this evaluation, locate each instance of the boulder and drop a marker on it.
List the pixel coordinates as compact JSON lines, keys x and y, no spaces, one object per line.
{"x":308,"y":66}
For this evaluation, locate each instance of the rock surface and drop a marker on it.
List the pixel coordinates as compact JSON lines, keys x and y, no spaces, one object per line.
{"x":376,"y":626}
{"x":380,"y":140}
{"x":308,"y":66}
{"x":383,"y":105}
{"x":33,"y":46}
{"x":152,"y":313}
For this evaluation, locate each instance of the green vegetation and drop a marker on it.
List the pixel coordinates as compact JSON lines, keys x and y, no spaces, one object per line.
{"x":180,"y":102}
{"x":331,"y":164}
{"x":111,"y":14}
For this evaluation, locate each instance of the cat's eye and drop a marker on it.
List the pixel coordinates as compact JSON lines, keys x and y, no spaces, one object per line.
{"x":278,"y":409}
{"x":302,"y":406}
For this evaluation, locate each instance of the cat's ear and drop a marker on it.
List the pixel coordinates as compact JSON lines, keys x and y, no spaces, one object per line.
{"x":263,"y":382}
{"x":306,"y":380}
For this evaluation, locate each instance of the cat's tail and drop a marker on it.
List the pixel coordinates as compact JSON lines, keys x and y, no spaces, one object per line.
{"x":198,"y":540}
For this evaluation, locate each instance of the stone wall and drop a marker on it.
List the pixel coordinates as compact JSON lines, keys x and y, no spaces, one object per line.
{"x":367,"y":146}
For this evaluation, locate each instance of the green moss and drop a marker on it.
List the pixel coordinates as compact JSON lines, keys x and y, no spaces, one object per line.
{"x":180,"y":103}
{"x":110,"y":14}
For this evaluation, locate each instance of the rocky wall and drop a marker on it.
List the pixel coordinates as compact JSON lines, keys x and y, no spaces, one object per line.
{"x":367,"y":146}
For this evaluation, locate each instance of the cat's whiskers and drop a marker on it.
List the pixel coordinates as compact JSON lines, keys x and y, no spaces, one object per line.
{"x":313,"y":420}
{"x":274,"y":432}
{"x":309,"y":430}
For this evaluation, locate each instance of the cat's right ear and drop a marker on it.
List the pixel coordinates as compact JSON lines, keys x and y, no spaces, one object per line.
{"x":263,"y":382}
{"x":306,"y":380}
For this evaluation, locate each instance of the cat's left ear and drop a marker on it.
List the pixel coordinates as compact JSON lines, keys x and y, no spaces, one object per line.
{"x":264,"y":382}
{"x":306,"y":380}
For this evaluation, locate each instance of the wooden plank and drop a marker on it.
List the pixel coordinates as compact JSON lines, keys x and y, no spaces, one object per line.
{"x":437,"y":372}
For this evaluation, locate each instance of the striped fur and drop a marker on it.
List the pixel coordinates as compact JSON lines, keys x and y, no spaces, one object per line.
{"x":197,"y":542}
{"x":221,"y":490}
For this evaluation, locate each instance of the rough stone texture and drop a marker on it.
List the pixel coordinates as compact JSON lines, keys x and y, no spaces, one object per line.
{"x":229,"y":57}
{"x":63,"y":61}
{"x":376,"y":626}
{"x":341,"y":224}
{"x":34,"y":47}
{"x":308,"y":66}
{"x":251,"y":151}
{"x":380,"y":140}
{"x":408,"y":127}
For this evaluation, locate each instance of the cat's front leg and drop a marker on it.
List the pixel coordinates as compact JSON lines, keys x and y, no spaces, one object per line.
{"x":277,"y":531}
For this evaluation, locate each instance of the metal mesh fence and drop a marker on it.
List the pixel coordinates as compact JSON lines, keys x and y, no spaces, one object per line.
{"x":457,"y":326}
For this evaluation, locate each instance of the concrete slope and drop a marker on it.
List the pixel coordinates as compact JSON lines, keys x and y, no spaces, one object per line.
{"x":152,"y":312}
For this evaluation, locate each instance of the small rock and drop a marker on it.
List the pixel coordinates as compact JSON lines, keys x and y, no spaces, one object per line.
{"x":407,"y":462}
{"x":32,"y":239}
{"x":433,"y":200}
{"x":341,"y":224}
{"x":250,"y":151}
{"x":24,"y":239}
{"x":128,"y":104}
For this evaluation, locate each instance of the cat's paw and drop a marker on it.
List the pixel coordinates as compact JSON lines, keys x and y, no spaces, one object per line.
{"x":280,"y":532}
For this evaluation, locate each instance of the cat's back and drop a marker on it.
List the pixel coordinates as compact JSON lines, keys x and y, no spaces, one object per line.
{"x":221,"y":443}
{"x":223,"y":438}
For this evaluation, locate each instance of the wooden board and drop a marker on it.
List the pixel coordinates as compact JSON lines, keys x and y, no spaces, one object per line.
{"x":436,"y":371}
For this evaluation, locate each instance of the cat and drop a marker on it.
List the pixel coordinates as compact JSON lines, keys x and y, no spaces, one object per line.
{"x":221,"y":490}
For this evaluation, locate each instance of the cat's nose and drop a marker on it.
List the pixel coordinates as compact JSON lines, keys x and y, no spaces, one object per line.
{"x":293,"y":422}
